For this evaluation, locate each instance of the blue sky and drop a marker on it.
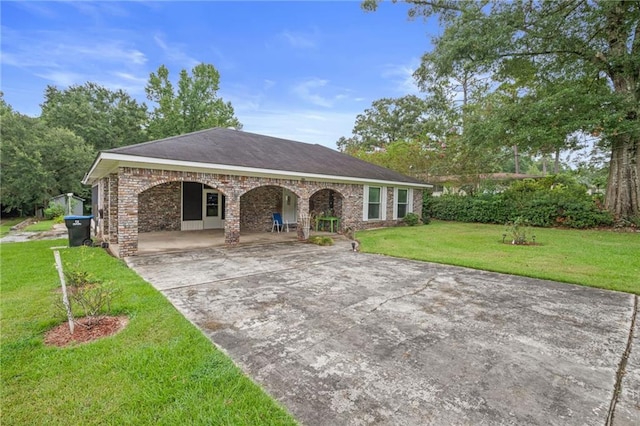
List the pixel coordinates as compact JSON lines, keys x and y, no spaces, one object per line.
{"x":297,"y":70}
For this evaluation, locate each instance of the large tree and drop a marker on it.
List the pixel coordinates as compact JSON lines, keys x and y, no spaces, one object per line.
{"x":590,"y":48}
{"x":103,"y":118}
{"x":38,"y":161}
{"x":195,"y":106}
{"x":388,"y":120}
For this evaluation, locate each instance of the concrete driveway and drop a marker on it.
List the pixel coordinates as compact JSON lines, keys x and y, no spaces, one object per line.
{"x":344,"y":338}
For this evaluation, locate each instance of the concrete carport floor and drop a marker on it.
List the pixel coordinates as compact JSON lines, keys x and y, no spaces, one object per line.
{"x":345,"y":338}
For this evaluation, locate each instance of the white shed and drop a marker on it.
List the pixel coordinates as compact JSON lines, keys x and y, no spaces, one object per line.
{"x":72,"y":204}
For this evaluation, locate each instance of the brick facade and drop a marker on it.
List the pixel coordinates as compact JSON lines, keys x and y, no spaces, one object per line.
{"x":257,"y":206}
{"x":134,"y":196}
{"x":160,"y":208}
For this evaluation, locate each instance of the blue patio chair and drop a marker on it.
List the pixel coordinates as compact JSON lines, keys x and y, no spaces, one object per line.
{"x":278,"y":223}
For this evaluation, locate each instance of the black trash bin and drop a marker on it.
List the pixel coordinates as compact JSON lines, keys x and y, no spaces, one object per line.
{"x":79,"y":229}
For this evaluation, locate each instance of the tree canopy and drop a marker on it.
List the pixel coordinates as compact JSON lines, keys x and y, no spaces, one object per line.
{"x":48,"y":155}
{"x":38,"y":161}
{"x":103,"y":118}
{"x":573,"y":66}
{"x":388,"y":120}
{"x":194,"y":106}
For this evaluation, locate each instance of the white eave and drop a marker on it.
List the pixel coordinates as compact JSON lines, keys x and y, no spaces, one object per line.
{"x":108,"y":163}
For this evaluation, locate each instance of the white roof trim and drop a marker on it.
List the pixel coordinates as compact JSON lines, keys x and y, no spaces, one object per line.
{"x":124,"y":160}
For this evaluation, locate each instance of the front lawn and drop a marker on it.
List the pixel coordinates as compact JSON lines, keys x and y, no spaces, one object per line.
{"x":159,"y":370}
{"x":43,"y":225}
{"x":604,"y":259}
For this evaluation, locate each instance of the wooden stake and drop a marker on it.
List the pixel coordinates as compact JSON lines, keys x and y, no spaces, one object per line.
{"x":65,"y":299}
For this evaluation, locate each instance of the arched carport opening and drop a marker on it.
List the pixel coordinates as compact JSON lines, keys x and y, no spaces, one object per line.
{"x":159,"y":208}
{"x":258,"y":205}
{"x":180,"y":206}
{"x":326,"y":203}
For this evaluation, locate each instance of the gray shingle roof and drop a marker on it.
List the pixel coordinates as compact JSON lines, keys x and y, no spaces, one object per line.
{"x":239,"y":148}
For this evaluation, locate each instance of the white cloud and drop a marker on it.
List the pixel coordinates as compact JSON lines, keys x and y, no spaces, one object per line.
{"x":38,"y":8}
{"x":131,"y":83}
{"x":176,"y":53}
{"x":66,"y":49}
{"x":98,"y":10}
{"x":65,"y":58}
{"x":63,"y":78}
{"x":311,"y":126}
{"x":307,"y":91}
{"x":401,"y":76}
{"x":299,"y":40}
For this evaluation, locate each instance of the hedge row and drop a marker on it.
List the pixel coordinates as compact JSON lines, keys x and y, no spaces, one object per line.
{"x":542,"y":204}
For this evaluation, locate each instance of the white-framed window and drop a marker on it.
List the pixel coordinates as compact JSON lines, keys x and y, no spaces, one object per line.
{"x":375,"y":203}
{"x":375,"y":198}
{"x":403,"y":202}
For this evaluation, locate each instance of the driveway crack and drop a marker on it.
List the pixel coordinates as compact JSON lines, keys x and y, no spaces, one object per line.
{"x":413,"y":293}
{"x":617,"y":389}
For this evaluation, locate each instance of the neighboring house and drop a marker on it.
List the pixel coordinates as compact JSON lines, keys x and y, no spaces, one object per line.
{"x":234,"y":180}
{"x":73,"y":206}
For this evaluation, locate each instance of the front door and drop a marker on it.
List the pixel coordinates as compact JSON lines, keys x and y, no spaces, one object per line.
{"x":212,"y":209}
{"x":289,"y":206}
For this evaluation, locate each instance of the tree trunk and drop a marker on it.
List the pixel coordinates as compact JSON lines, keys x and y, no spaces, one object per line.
{"x":556,"y":162}
{"x":516,"y":159}
{"x":623,"y":187}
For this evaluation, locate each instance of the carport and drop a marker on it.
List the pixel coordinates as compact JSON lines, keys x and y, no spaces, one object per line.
{"x":176,"y":241}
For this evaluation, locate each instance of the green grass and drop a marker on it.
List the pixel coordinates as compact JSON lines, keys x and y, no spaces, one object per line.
{"x":159,"y":370}
{"x":6,"y":225}
{"x":603,"y":259}
{"x":43,"y":225}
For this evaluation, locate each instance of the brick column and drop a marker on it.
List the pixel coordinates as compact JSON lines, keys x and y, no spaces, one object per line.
{"x":303,"y":208}
{"x":127,"y":217}
{"x":418,"y":195}
{"x":232,"y":220}
{"x":111,"y":215}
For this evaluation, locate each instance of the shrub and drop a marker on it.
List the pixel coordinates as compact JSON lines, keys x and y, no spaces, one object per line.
{"x":321,"y":240}
{"x":88,"y":295}
{"x":552,"y":201}
{"x":411,"y":219}
{"x":518,"y":230}
{"x":54,"y":210}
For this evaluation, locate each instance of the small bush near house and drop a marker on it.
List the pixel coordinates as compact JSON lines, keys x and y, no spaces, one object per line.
{"x":53,"y":211}
{"x":321,"y":240}
{"x":518,"y":231}
{"x":88,"y":295}
{"x":411,"y":219}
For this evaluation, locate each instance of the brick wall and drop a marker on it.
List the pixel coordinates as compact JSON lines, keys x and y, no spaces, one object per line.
{"x":112,"y":214}
{"x":417,"y":201}
{"x":326,"y":202}
{"x":136,"y":194}
{"x":257,"y":206}
{"x":160,"y":208}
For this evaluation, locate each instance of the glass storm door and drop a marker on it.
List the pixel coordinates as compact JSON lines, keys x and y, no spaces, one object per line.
{"x":212,"y":209}
{"x":289,"y":206}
